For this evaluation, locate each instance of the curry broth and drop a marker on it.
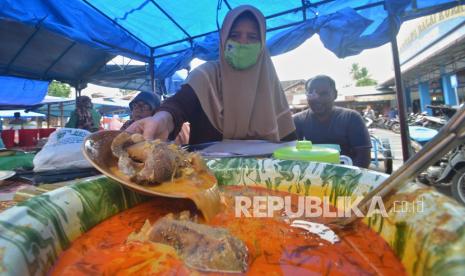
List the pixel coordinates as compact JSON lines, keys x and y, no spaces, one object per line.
{"x":274,"y":247}
{"x":201,"y":188}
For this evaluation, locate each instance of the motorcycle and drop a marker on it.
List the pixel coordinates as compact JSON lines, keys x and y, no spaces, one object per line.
{"x":394,"y":124}
{"x":379,"y":122}
{"x":434,"y":122}
{"x":449,"y":173}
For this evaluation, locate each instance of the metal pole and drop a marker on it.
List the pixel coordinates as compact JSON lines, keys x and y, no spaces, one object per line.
{"x":48,"y":116}
{"x":152,"y":70}
{"x":77,"y":88}
{"x":61,"y":114}
{"x":404,"y":132}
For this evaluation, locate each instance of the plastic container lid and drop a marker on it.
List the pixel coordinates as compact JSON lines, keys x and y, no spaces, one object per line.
{"x":305,"y":150}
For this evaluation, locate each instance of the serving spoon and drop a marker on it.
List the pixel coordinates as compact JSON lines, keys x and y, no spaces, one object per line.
{"x":450,"y":136}
{"x":206,"y":196}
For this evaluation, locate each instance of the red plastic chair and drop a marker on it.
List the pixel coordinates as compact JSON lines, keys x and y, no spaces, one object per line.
{"x":45,"y":132}
{"x":28,"y":137}
{"x":8,"y":137}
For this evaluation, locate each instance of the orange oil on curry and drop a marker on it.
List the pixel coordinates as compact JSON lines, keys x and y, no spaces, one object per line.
{"x":274,"y":248}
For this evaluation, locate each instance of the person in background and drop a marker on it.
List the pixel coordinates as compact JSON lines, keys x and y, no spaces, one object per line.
{"x":392,"y":113}
{"x":142,"y":106}
{"x":2,"y":146}
{"x":17,"y":122}
{"x":237,"y":97}
{"x":84,"y":117}
{"x":369,"y":113}
{"x":324,"y":123}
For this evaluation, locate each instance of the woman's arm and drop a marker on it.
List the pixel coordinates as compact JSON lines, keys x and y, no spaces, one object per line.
{"x":183,"y":106}
{"x":169,"y":117}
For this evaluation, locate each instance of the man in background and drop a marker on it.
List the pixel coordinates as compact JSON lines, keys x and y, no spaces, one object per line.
{"x":17,"y":122}
{"x":1,"y":129}
{"x":392,"y":113}
{"x":324,"y":123}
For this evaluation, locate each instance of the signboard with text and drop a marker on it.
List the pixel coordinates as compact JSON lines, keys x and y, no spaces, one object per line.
{"x":430,"y":30}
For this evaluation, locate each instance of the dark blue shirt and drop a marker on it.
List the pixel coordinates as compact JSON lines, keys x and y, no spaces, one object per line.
{"x":345,"y":128}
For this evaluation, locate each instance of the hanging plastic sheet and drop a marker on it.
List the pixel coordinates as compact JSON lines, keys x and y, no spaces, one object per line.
{"x":19,"y":91}
{"x":179,"y":31}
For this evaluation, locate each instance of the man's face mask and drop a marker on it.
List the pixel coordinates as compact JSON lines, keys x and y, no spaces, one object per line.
{"x":241,"y":56}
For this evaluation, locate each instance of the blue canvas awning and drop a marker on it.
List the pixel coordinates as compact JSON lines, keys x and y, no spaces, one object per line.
{"x":104,"y":106}
{"x":37,"y":53}
{"x":172,"y":33}
{"x":22,"y":113}
{"x":130,"y":77}
{"x":77,"y":20}
{"x":169,"y":34}
{"x":134,"y":77}
{"x":17,"y":91}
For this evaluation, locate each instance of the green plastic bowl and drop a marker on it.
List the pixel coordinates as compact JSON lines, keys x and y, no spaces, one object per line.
{"x":306,"y":151}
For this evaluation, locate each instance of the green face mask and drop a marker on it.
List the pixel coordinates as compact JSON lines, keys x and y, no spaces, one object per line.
{"x":241,"y":56}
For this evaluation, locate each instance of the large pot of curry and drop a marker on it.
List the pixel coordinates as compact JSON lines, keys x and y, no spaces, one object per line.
{"x":98,"y":227}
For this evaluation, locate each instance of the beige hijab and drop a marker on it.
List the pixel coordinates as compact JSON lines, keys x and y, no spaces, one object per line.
{"x":246,"y":104}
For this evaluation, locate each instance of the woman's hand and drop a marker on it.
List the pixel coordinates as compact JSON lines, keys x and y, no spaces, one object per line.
{"x":159,"y":126}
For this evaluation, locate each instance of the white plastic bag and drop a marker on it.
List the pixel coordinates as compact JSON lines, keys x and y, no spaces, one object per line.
{"x":62,"y":151}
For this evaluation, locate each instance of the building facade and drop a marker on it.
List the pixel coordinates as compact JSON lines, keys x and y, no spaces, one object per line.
{"x":433,"y":61}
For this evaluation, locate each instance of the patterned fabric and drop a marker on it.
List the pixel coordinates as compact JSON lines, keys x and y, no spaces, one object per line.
{"x":429,"y":240}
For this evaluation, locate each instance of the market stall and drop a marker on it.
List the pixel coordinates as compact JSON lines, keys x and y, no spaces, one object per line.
{"x":426,"y":238}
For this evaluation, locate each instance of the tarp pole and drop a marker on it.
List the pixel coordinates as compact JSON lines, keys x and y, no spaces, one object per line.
{"x":48,"y":115}
{"x":404,"y":132}
{"x":78,"y":89}
{"x":61,"y":114}
{"x":152,"y":70}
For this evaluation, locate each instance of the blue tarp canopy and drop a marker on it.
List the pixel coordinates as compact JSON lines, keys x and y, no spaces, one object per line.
{"x":22,"y":113}
{"x":104,"y":106}
{"x":174,"y":32}
{"x":37,"y":53}
{"x":130,"y":77}
{"x":19,"y":92}
{"x":134,"y":77}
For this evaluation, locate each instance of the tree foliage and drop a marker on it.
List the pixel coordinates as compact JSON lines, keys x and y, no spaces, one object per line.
{"x":361,"y":76}
{"x":59,"y":89}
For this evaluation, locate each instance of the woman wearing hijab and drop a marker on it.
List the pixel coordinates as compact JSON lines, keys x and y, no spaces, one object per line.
{"x":142,"y":106}
{"x":237,"y":97}
{"x":84,"y":117}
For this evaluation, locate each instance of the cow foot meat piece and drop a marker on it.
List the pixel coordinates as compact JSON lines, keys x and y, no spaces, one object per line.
{"x":202,"y":247}
{"x":153,"y":162}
